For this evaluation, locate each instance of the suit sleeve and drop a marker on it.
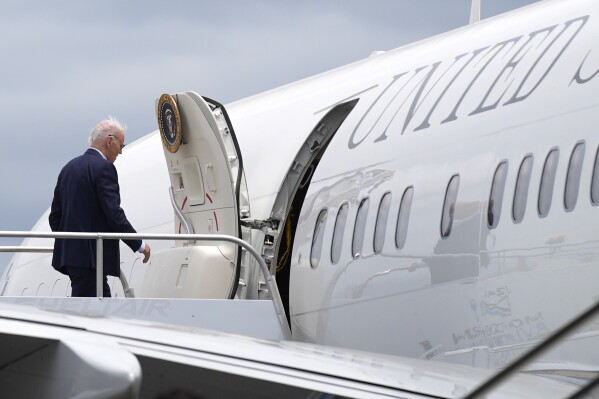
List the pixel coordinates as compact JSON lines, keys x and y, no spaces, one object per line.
{"x":56,"y":208}
{"x":107,"y":191}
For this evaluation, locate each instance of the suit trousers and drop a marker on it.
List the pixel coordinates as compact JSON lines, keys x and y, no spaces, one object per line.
{"x":83,"y":282}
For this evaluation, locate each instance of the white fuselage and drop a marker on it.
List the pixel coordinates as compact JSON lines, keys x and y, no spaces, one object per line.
{"x":460,"y":105}
{"x":457,"y":104}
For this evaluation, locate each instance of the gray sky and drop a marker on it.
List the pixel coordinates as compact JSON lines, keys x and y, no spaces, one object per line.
{"x":66,"y":65}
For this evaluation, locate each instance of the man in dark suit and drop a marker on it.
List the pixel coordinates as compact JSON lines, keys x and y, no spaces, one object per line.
{"x":87,"y":199}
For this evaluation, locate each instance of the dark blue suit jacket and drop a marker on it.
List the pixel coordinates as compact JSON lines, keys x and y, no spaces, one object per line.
{"x":87,"y":199}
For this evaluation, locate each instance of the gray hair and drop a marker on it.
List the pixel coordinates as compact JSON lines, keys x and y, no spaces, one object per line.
{"x":107,"y":127}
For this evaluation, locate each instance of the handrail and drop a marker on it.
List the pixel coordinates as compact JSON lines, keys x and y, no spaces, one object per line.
{"x":184,"y":222}
{"x":271,"y":284}
{"x":27,"y":249}
{"x":21,"y":249}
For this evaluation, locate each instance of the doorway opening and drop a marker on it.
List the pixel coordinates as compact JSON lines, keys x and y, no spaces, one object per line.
{"x":293,"y":192}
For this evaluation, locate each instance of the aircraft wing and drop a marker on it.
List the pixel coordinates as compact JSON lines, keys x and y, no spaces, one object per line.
{"x":46,"y":354}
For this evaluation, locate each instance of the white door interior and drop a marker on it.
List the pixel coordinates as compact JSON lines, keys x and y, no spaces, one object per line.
{"x":207,"y":185}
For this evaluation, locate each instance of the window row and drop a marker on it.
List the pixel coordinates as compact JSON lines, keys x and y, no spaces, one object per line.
{"x":546,"y":185}
{"x":498,"y":183}
{"x":380,"y":230}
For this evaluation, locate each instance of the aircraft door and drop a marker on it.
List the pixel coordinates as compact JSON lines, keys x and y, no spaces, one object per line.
{"x":208,"y":194}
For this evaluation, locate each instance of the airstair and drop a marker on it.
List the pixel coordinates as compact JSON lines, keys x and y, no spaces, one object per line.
{"x":258,"y":318}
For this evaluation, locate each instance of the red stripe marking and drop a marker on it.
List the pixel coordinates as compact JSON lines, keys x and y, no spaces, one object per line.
{"x":209,"y":199}
{"x":216,"y":220}
{"x":182,"y":206}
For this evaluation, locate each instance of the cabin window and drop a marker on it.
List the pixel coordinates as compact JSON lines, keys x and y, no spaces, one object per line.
{"x":595,"y":181}
{"x":360,"y":228}
{"x":318,"y":238}
{"x":451,"y":196}
{"x":403,"y":218}
{"x":496,"y":195}
{"x":521,"y":192}
{"x":380,"y":229}
{"x":573,"y":177}
{"x":547,"y":182}
{"x":338,"y":231}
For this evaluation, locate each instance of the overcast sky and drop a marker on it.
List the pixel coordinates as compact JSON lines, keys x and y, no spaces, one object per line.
{"x":66,"y":65}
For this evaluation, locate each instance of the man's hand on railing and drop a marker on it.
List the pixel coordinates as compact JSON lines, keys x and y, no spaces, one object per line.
{"x":146,"y":253}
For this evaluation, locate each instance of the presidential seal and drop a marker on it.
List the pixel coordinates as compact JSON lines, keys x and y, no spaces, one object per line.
{"x":169,"y":123}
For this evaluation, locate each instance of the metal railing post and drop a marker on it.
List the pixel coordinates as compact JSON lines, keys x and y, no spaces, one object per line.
{"x":99,"y":267}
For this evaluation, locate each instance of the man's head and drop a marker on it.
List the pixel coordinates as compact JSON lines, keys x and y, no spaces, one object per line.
{"x":109,"y":137}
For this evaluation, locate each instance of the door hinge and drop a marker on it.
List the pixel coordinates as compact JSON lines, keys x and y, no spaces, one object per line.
{"x":261,"y":224}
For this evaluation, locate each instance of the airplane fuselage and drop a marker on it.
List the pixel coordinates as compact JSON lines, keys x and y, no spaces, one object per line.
{"x":450,"y":217}
{"x":465,"y":284}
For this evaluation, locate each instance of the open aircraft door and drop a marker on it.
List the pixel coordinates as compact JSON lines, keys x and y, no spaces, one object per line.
{"x":209,"y":196}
